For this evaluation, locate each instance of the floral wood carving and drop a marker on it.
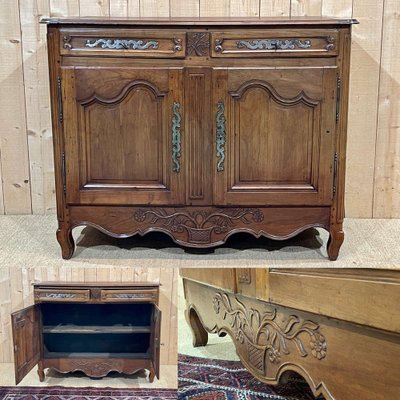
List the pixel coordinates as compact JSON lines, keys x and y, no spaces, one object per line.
{"x":264,"y":336}
{"x":200,"y":224}
{"x":198,"y":43}
{"x":96,"y":368}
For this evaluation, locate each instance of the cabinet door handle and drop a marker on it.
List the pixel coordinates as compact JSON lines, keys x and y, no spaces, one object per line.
{"x":220,"y":135}
{"x":176,"y":137}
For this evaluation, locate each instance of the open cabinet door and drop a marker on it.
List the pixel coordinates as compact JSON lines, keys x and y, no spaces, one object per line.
{"x":156,"y":329}
{"x":26,"y":337}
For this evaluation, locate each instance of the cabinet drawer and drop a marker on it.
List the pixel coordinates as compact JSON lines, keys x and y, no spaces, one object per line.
{"x":64,"y":295}
{"x":130,"y":295}
{"x":295,"y":43}
{"x":122,"y":43}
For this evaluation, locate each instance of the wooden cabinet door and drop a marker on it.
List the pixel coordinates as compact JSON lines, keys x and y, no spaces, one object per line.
{"x":274,"y":135}
{"x":156,"y":338}
{"x":27,"y":340}
{"x":122,"y":128}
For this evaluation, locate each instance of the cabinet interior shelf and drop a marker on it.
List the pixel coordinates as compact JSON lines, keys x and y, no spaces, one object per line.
{"x":92,"y":329}
{"x":57,"y":354}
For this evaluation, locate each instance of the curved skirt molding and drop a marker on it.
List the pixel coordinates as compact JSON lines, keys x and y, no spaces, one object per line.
{"x":197,"y":227}
{"x":339,"y":360}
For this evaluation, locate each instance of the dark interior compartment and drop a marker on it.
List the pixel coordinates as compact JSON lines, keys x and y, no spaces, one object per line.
{"x":101,"y":343}
{"x":138,"y":314}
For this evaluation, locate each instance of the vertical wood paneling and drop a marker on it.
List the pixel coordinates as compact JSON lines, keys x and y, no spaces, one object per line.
{"x":364,"y":86}
{"x":337,"y":8}
{"x":13,"y":141}
{"x":387,"y":162}
{"x":63,"y":8}
{"x":118,"y":8}
{"x":94,"y":8}
{"x":37,"y":97}
{"x":245,"y":8}
{"x":133,"y":8}
{"x":188,"y":8}
{"x":274,"y":8}
{"x":306,"y":7}
{"x":154,"y":8}
{"x":16,"y":292}
{"x":212,"y":8}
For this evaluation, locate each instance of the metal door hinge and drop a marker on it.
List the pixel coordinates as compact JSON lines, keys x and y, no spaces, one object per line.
{"x":63,"y":172}
{"x":335,"y":169}
{"x":338,"y":85}
{"x":59,"y":101}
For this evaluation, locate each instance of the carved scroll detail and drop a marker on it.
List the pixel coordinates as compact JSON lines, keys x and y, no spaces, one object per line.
{"x":273,"y":44}
{"x":200,"y":224}
{"x":264,"y":336}
{"x":176,"y":137}
{"x":131,"y":44}
{"x":221,"y":135}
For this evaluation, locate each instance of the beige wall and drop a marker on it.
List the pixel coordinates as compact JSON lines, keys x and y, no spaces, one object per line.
{"x":16,"y":292}
{"x":373,"y":174}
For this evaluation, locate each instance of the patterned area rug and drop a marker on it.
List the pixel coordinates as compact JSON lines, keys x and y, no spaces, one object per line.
{"x":206,"y":379}
{"x":61,"y":393}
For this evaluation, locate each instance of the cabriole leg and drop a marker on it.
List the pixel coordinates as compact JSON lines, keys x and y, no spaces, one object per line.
{"x":66,"y":241}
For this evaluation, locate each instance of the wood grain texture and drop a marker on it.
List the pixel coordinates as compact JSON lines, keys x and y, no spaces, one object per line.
{"x":13,"y":139}
{"x":306,"y":7}
{"x":364,"y":88}
{"x":387,"y":161}
{"x":272,"y":8}
{"x":16,"y":292}
{"x":372,"y":183}
{"x":38,"y":122}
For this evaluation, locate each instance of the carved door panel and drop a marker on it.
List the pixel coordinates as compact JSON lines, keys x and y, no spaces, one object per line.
{"x":122,"y":128}
{"x":156,"y":338}
{"x":274,"y":135}
{"x":27,"y":340}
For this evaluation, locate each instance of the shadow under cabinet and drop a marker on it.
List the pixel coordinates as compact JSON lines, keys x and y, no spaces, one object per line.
{"x":91,"y":328}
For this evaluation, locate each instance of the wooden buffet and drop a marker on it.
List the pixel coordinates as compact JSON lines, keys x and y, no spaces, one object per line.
{"x":200,"y":128}
{"x":94,"y":328}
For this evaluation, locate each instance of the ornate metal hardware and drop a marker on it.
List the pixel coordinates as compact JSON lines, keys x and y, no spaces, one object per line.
{"x":176,"y":137}
{"x":335,"y":169}
{"x":59,"y":101}
{"x":131,"y":295}
{"x":198,"y":43}
{"x":338,"y":86}
{"x":177,"y":44}
{"x":131,"y":44}
{"x":64,"y":172}
{"x":221,"y":135}
{"x":273,"y":44}
{"x":60,"y":295}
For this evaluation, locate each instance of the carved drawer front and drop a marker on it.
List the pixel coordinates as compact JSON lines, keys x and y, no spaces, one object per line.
{"x":129,"y":295}
{"x":269,"y":43}
{"x":123,"y":43}
{"x":64,"y":295}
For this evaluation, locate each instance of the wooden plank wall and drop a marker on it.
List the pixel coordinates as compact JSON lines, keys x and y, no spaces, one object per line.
{"x":16,"y":292}
{"x":373,"y":174}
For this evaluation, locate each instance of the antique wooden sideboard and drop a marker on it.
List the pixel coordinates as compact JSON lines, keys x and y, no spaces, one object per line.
{"x":339,"y":330}
{"x":95,"y":328}
{"x":201,"y":128}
